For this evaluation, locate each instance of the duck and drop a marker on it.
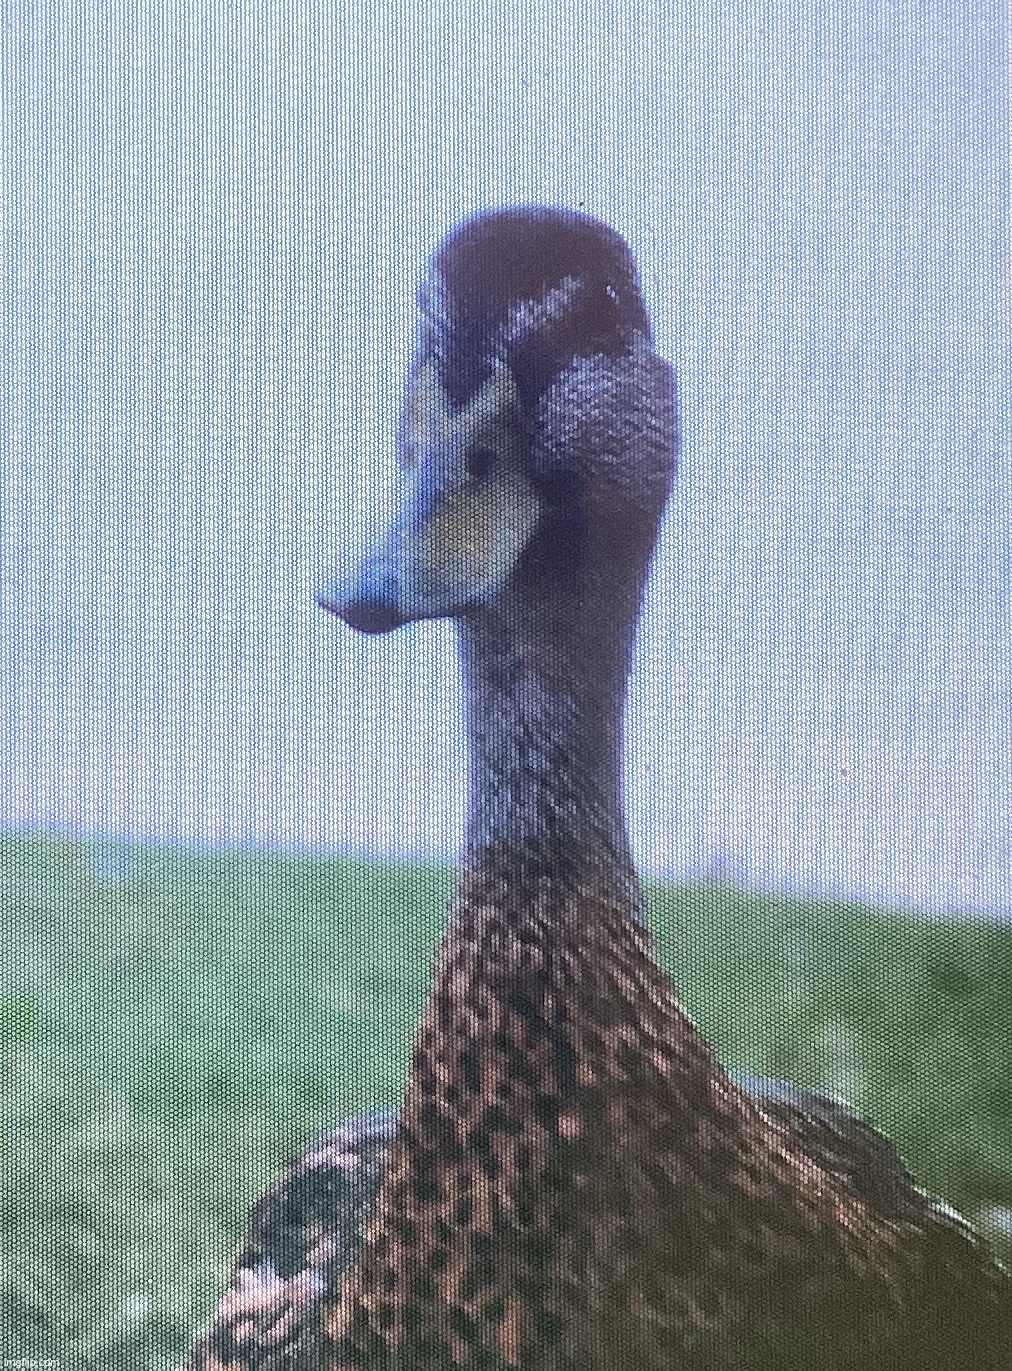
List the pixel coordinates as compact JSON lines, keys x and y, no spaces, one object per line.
{"x":572,"y":1182}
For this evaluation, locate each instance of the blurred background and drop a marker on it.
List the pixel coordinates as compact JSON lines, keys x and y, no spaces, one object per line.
{"x":213,"y":221}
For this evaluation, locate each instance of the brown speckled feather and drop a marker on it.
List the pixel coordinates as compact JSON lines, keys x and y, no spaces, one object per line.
{"x":578,"y":1185}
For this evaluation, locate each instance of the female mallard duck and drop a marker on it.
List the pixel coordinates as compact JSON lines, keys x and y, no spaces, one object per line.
{"x":573,"y":1181}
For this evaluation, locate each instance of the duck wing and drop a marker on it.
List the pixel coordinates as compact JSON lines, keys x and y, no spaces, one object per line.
{"x":961,"y":1296}
{"x":301,"y":1236}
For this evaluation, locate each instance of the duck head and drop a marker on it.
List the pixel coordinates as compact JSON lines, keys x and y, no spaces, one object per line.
{"x":538,"y":435}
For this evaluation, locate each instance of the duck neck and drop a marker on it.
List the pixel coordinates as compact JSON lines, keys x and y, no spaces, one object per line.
{"x":545,"y":700}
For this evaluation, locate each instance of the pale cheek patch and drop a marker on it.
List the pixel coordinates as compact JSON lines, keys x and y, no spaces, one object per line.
{"x":430,"y":422}
{"x":473,"y":541}
{"x":427,"y":415}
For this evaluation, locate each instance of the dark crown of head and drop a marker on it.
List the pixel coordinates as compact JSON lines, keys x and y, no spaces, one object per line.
{"x":533,"y":288}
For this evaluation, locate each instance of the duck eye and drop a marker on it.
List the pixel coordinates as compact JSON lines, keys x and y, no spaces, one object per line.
{"x":480,"y":461}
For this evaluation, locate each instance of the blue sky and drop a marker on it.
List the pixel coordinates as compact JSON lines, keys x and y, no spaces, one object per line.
{"x":214,"y":218}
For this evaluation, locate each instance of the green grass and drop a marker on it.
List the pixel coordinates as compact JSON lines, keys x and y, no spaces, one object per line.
{"x":170,"y":1033}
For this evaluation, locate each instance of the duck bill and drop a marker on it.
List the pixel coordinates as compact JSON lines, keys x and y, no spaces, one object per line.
{"x":463,"y":516}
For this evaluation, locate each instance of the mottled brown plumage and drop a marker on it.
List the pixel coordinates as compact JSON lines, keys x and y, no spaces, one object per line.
{"x":573,"y":1183}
